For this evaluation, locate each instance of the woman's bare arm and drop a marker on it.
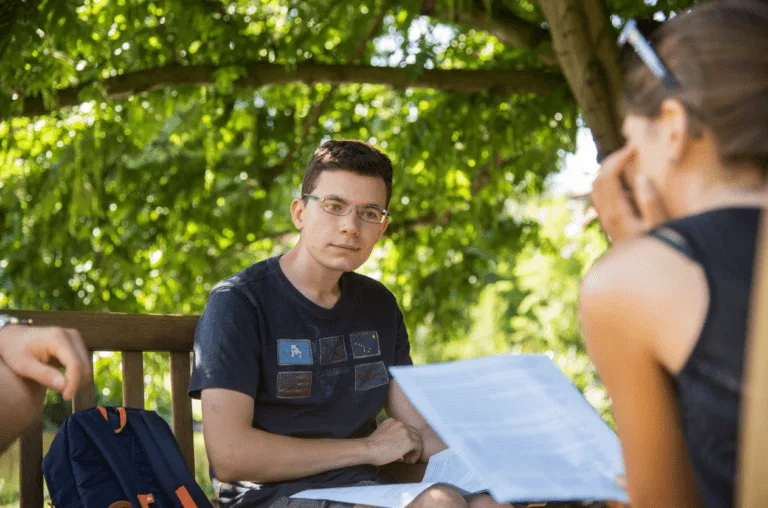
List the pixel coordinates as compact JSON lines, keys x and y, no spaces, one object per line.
{"x":641,"y":308}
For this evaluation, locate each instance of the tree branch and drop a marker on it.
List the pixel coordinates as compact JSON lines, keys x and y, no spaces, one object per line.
{"x":502,"y":81}
{"x":10,"y":12}
{"x":505,"y":25}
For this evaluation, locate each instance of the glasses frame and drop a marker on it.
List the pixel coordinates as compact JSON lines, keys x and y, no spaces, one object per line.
{"x":631,"y":34}
{"x":321,"y":200}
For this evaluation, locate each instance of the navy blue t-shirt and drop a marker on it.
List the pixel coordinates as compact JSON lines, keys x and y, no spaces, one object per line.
{"x":312,"y":372}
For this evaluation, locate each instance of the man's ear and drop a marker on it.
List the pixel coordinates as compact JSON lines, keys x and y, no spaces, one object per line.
{"x":675,"y":123}
{"x":297,"y":213}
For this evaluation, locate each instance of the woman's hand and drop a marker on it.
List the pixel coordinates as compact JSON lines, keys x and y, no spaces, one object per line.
{"x":625,"y":213}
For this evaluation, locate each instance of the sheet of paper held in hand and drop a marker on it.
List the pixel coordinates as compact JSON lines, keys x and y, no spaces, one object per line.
{"x":520,"y":425}
{"x":444,"y":468}
{"x":516,"y":422}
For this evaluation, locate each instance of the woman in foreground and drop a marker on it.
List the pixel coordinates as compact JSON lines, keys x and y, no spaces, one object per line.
{"x":664,"y":312}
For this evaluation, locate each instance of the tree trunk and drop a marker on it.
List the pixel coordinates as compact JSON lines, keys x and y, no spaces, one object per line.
{"x":585,"y":46}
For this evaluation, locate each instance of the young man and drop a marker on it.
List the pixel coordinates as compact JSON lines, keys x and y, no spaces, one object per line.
{"x":291,"y":354}
{"x":30,"y":358}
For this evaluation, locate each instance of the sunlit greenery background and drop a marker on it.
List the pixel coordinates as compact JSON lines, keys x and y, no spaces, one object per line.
{"x":142,"y":202}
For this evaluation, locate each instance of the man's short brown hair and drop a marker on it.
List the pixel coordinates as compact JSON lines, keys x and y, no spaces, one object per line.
{"x":350,"y":155}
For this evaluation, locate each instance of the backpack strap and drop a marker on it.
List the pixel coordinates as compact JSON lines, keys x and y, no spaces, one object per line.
{"x":124,"y":472}
{"x":120,"y":412}
{"x":166,"y":458}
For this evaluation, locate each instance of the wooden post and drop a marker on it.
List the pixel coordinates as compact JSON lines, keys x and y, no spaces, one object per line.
{"x":85,"y":398}
{"x":182,"y":406}
{"x":31,"y":474}
{"x":752,"y":467}
{"x":133,"y":379}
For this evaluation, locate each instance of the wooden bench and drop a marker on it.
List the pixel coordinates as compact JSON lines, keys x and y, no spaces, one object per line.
{"x":132,"y":334}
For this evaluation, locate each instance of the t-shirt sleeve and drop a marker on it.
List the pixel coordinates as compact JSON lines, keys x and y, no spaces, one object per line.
{"x":402,"y":346}
{"x":226,"y":345}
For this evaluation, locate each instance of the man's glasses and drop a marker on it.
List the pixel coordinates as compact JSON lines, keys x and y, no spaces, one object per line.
{"x":337,"y":206}
{"x":633,"y":33}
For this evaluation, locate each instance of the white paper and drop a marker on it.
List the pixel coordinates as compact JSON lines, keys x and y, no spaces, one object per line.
{"x":385,"y":496}
{"x":447,"y":467}
{"x":520,"y":425}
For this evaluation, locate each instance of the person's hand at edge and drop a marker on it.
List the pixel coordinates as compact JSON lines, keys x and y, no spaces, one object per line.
{"x":38,"y":353}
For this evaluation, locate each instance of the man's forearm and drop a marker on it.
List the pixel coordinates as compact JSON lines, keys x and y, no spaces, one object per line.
{"x":22,"y":403}
{"x":261,"y":457}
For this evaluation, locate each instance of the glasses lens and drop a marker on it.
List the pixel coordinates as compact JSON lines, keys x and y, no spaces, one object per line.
{"x":371,"y":214}
{"x":335,"y":206}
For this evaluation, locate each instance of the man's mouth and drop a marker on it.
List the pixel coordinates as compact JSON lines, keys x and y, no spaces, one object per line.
{"x":346,"y":247}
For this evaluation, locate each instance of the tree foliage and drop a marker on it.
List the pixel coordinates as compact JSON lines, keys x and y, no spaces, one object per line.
{"x":149,"y":148}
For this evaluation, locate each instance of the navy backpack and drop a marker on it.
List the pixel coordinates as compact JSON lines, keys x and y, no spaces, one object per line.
{"x":108,"y":457}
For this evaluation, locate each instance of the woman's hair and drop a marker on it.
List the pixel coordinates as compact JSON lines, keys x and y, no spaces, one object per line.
{"x":718,"y":53}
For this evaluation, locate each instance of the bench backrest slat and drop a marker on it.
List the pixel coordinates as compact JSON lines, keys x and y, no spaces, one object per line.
{"x":85,"y":398}
{"x":30,"y":473}
{"x":182,"y":409}
{"x":133,"y":379}
{"x":115,"y":331}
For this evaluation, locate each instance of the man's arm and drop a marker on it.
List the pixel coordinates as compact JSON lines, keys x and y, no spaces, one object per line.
{"x":22,"y":403}
{"x":400,"y":408}
{"x":238,"y":452}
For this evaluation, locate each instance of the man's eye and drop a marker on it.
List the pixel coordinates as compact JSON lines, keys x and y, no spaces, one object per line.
{"x":334,"y":206}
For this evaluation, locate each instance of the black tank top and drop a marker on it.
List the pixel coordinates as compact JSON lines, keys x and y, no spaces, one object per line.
{"x":723,"y":242}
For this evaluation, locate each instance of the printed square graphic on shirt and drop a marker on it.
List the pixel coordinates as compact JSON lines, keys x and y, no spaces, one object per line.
{"x":370,"y":375}
{"x":294,"y":385}
{"x":332,"y":350}
{"x":365,"y":344}
{"x":294,"y":352}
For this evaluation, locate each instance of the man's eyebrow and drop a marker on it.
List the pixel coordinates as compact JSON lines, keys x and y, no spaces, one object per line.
{"x":334,"y":196}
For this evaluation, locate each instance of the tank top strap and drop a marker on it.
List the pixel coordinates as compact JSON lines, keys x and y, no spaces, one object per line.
{"x":674,"y":239}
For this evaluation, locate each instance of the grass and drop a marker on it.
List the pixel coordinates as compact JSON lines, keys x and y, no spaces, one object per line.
{"x":9,"y":470}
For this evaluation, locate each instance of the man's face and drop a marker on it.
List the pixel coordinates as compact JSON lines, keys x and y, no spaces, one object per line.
{"x":341,"y":243}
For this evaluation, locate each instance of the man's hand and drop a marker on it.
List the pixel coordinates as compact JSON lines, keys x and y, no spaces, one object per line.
{"x":625,"y":213}
{"x":37,"y":353}
{"x":393,"y":440}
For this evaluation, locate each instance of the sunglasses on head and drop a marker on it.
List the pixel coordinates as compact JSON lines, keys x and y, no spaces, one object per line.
{"x":635,"y":36}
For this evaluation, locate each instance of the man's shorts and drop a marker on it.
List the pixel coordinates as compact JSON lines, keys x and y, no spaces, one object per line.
{"x":287,"y":502}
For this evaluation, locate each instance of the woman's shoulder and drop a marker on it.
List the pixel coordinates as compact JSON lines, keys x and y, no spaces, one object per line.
{"x":640,"y":266}
{"x":644,"y":290}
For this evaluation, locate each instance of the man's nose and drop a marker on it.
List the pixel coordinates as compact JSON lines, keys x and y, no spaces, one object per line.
{"x":350,"y":223}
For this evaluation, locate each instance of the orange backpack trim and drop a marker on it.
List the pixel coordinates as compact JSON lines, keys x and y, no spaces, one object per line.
{"x":120,"y":411}
{"x":145,"y":500}
{"x":185,"y":498}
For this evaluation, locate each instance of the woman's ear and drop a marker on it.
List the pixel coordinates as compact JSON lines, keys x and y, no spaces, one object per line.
{"x":674,"y":123}
{"x":297,"y":213}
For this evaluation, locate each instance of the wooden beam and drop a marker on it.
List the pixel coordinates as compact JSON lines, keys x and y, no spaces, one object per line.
{"x":112,"y":331}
